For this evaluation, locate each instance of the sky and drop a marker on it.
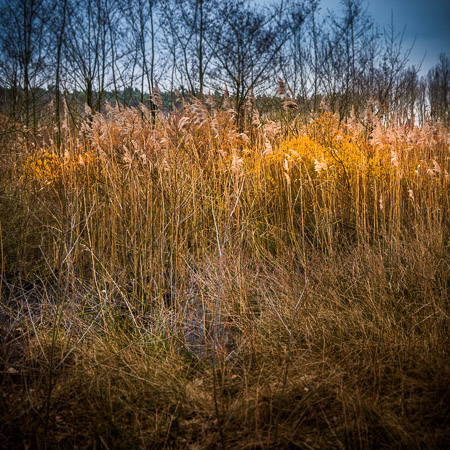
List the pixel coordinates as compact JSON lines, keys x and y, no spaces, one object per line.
{"x":426,"y":21}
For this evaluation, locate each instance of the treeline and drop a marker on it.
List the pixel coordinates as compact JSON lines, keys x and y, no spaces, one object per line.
{"x":57,"y":54}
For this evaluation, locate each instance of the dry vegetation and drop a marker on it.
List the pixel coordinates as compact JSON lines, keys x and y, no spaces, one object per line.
{"x":180,"y":284}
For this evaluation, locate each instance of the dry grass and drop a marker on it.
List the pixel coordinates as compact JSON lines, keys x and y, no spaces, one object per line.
{"x":167,"y":284}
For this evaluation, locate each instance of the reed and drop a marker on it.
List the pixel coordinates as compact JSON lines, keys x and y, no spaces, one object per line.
{"x":151,"y":271}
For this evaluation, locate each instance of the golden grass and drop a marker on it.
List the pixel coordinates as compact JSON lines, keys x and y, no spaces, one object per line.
{"x":181,"y":284}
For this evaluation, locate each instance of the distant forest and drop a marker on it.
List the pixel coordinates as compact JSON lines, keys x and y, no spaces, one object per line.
{"x":57,"y":54}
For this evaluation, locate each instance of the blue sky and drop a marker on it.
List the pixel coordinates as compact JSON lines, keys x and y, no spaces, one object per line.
{"x":426,"y":20}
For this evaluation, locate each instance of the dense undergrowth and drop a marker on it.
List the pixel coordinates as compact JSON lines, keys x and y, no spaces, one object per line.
{"x":181,"y":284}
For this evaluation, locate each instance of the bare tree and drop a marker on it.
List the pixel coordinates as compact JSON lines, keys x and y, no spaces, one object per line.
{"x":394,"y":59}
{"x":187,"y":27}
{"x":95,"y":51}
{"x":439,"y":89}
{"x":299,"y":67}
{"x":23,"y":49}
{"x":348,"y":51}
{"x":246,"y":46}
{"x":86,"y":50}
{"x":141,"y":20}
{"x":59,"y":30}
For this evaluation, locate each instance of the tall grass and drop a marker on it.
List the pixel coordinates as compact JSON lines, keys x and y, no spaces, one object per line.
{"x":178,"y":283}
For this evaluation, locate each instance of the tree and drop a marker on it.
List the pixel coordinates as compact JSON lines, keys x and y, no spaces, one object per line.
{"x":187,"y":25}
{"x":347,"y":57}
{"x":297,"y":64}
{"x":394,"y":60}
{"x":439,"y":89}
{"x":59,"y":31}
{"x":86,"y":49}
{"x":23,"y":54}
{"x":245,"y":44}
